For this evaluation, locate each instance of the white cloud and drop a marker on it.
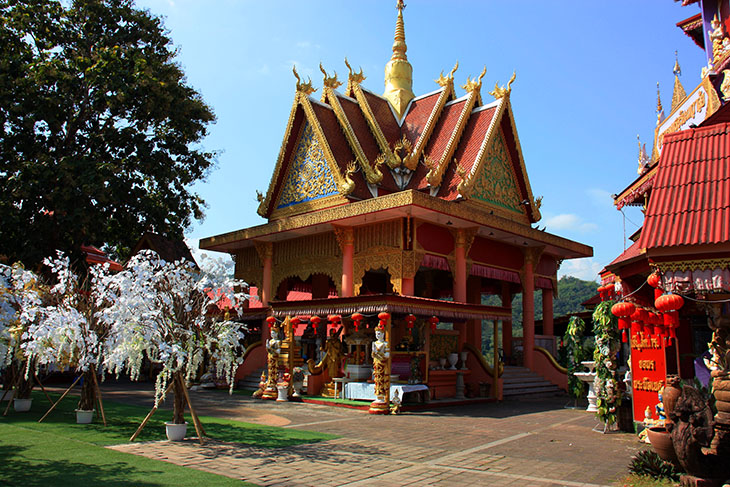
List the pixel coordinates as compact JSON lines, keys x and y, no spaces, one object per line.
{"x":569,"y":221}
{"x":307,"y":45}
{"x":599,"y":196}
{"x":586,"y":269}
{"x":264,"y":70}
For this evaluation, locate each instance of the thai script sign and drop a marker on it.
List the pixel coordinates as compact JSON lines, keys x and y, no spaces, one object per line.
{"x":692,"y":111}
{"x":648,"y":369}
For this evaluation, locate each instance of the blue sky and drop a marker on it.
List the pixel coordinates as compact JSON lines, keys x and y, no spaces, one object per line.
{"x":586,"y":86}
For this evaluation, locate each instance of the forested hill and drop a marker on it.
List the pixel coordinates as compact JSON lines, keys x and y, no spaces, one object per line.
{"x":571,"y":292}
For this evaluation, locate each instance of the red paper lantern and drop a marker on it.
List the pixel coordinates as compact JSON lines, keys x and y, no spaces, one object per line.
{"x":294,"y":323}
{"x":610,"y":290}
{"x":410,"y":319}
{"x":670,"y":304}
{"x":623,"y":311}
{"x":434,"y":322}
{"x":602,"y":292}
{"x":357,"y":318}
{"x":315,"y":320}
{"x":334,"y":319}
{"x":383,"y":317}
{"x":271,"y":321}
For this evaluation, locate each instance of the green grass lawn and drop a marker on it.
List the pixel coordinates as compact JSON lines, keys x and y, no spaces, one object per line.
{"x":58,"y":451}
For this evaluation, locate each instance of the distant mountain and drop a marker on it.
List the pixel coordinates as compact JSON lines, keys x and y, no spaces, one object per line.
{"x":571,"y":292}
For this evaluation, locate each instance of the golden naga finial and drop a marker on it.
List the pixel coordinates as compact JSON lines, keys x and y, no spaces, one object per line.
{"x":445,"y":80}
{"x":353,"y":77}
{"x":475,"y":84}
{"x":659,"y":108}
{"x":349,"y":185}
{"x":505,"y":90}
{"x":330,"y":82}
{"x":305,"y":88}
{"x":260,"y":196}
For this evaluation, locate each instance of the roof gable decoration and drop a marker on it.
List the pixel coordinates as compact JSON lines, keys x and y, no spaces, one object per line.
{"x":473,"y":98}
{"x":320,"y":151}
{"x":372,"y":172}
{"x":496,"y":159}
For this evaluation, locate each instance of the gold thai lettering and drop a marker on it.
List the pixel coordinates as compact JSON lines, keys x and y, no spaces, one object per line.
{"x":647,"y":364}
{"x":684,"y":116}
{"x":639,"y":343}
{"x":646,"y":384}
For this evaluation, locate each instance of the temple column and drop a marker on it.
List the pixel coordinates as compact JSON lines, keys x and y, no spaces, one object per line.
{"x":460,"y":268}
{"x":266,"y":253}
{"x":527,"y":276}
{"x":346,"y":239}
{"x":547,"y":312}
{"x":507,"y":324}
{"x":407,"y":285}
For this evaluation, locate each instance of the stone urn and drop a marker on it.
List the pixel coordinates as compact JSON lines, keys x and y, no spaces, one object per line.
{"x":453,"y":358}
{"x":661,"y":441}
{"x":464,"y":356}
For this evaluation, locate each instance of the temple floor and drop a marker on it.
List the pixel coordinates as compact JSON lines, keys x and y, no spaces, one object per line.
{"x":534,"y":442}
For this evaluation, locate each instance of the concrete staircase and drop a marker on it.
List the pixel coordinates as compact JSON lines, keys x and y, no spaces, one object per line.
{"x":251,"y":381}
{"x":522,"y":383}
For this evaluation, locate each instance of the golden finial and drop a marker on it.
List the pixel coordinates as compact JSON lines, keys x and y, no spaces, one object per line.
{"x":259,"y":196}
{"x":498,"y":92}
{"x":678,"y":93}
{"x":445,"y":80}
{"x":677,"y":70}
{"x":476,"y":84}
{"x":352,"y":77}
{"x":330,"y":82}
{"x":305,"y":88}
{"x":398,"y":71}
{"x":659,"y":108}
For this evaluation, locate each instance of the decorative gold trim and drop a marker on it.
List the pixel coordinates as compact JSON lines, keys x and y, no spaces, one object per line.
{"x":379,"y":257}
{"x":353,"y":79}
{"x":466,"y":185}
{"x":535,"y":210}
{"x":305,"y":268}
{"x":464,"y":237}
{"x":691,"y":265}
{"x":498,"y":92}
{"x":372,"y":173}
{"x":479,"y":215}
{"x":446,"y":93}
{"x":650,"y":173}
{"x":435,"y":175}
{"x":344,"y":235}
{"x":308,"y":206}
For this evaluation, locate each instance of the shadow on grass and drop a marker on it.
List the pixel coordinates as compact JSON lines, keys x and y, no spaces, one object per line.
{"x":18,"y":469}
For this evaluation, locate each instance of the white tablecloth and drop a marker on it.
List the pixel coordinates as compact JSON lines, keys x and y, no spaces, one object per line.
{"x":366,"y":390}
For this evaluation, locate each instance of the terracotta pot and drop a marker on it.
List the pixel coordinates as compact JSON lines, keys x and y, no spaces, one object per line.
{"x":662,"y":443}
{"x":671,"y":394}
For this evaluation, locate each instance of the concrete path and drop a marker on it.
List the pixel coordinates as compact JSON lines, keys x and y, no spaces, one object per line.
{"x":510,"y":443}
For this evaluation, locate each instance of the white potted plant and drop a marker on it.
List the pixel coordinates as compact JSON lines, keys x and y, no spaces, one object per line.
{"x":171,"y":313}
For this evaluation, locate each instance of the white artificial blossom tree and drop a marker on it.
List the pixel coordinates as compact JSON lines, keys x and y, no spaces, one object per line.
{"x":174,"y":313}
{"x":69,"y":331}
{"x":21,"y":296}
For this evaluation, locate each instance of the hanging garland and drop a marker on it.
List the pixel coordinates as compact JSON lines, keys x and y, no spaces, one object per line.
{"x":573,"y":340}
{"x":607,"y":346}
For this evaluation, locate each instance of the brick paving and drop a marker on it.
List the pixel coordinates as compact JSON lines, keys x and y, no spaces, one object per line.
{"x":510,"y":443}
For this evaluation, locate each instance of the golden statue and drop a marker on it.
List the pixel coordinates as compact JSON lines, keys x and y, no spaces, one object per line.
{"x":381,"y":372}
{"x":331,"y":361}
{"x":273,"y":348}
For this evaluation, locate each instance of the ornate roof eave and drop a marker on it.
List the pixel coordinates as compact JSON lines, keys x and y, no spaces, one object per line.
{"x":302,"y":99}
{"x":372,"y":172}
{"x":626,"y":197}
{"x":403,"y":201}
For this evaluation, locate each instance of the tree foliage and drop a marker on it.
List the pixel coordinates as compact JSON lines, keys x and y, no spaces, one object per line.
{"x":608,"y":344}
{"x":99,"y":130}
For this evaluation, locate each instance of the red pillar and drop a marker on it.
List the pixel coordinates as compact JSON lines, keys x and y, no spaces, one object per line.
{"x":547,"y":312}
{"x":507,"y":324}
{"x":460,"y":267}
{"x":528,"y":307}
{"x":348,"y":254}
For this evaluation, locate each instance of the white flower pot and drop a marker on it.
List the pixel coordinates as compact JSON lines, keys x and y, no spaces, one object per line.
{"x":22,"y":405}
{"x":175,"y":431}
{"x":283,"y":393}
{"x":84,"y":416}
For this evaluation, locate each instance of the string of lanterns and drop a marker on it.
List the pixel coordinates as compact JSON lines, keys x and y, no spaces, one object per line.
{"x":357,"y":319}
{"x":661,"y":321}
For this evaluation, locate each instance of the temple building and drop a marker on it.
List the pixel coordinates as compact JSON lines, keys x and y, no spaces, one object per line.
{"x":409,"y":207}
{"x":683,"y":189}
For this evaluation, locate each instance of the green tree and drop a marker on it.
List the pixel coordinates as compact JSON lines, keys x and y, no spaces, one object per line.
{"x":99,"y":131}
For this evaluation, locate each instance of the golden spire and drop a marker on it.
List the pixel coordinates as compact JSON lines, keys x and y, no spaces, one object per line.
{"x":398,"y":71}
{"x":678,"y":95}
{"x":659,"y":109}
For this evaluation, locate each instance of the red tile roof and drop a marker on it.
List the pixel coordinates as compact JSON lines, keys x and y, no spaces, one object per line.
{"x":417,"y":116}
{"x":690,"y":203}
{"x":384,"y":116}
{"x":631,"y":253}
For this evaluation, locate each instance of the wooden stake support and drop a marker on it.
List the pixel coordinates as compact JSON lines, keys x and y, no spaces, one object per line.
{"x":149,"y":415}
{"x":198,"y":427}
{"x":42,"y":388}
{"x":54,"y":404}
{"x":98,"y":394}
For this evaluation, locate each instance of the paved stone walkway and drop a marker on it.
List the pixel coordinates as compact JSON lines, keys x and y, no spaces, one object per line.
{"x":521,"y":443}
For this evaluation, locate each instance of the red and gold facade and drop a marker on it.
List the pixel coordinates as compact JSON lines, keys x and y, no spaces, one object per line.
{"x":424,"y":197}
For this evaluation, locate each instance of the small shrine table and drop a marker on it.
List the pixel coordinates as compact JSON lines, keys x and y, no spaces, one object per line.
{"x":366,"y":390}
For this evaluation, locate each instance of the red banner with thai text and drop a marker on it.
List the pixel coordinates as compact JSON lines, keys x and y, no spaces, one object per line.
{"x":648,"y":373}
